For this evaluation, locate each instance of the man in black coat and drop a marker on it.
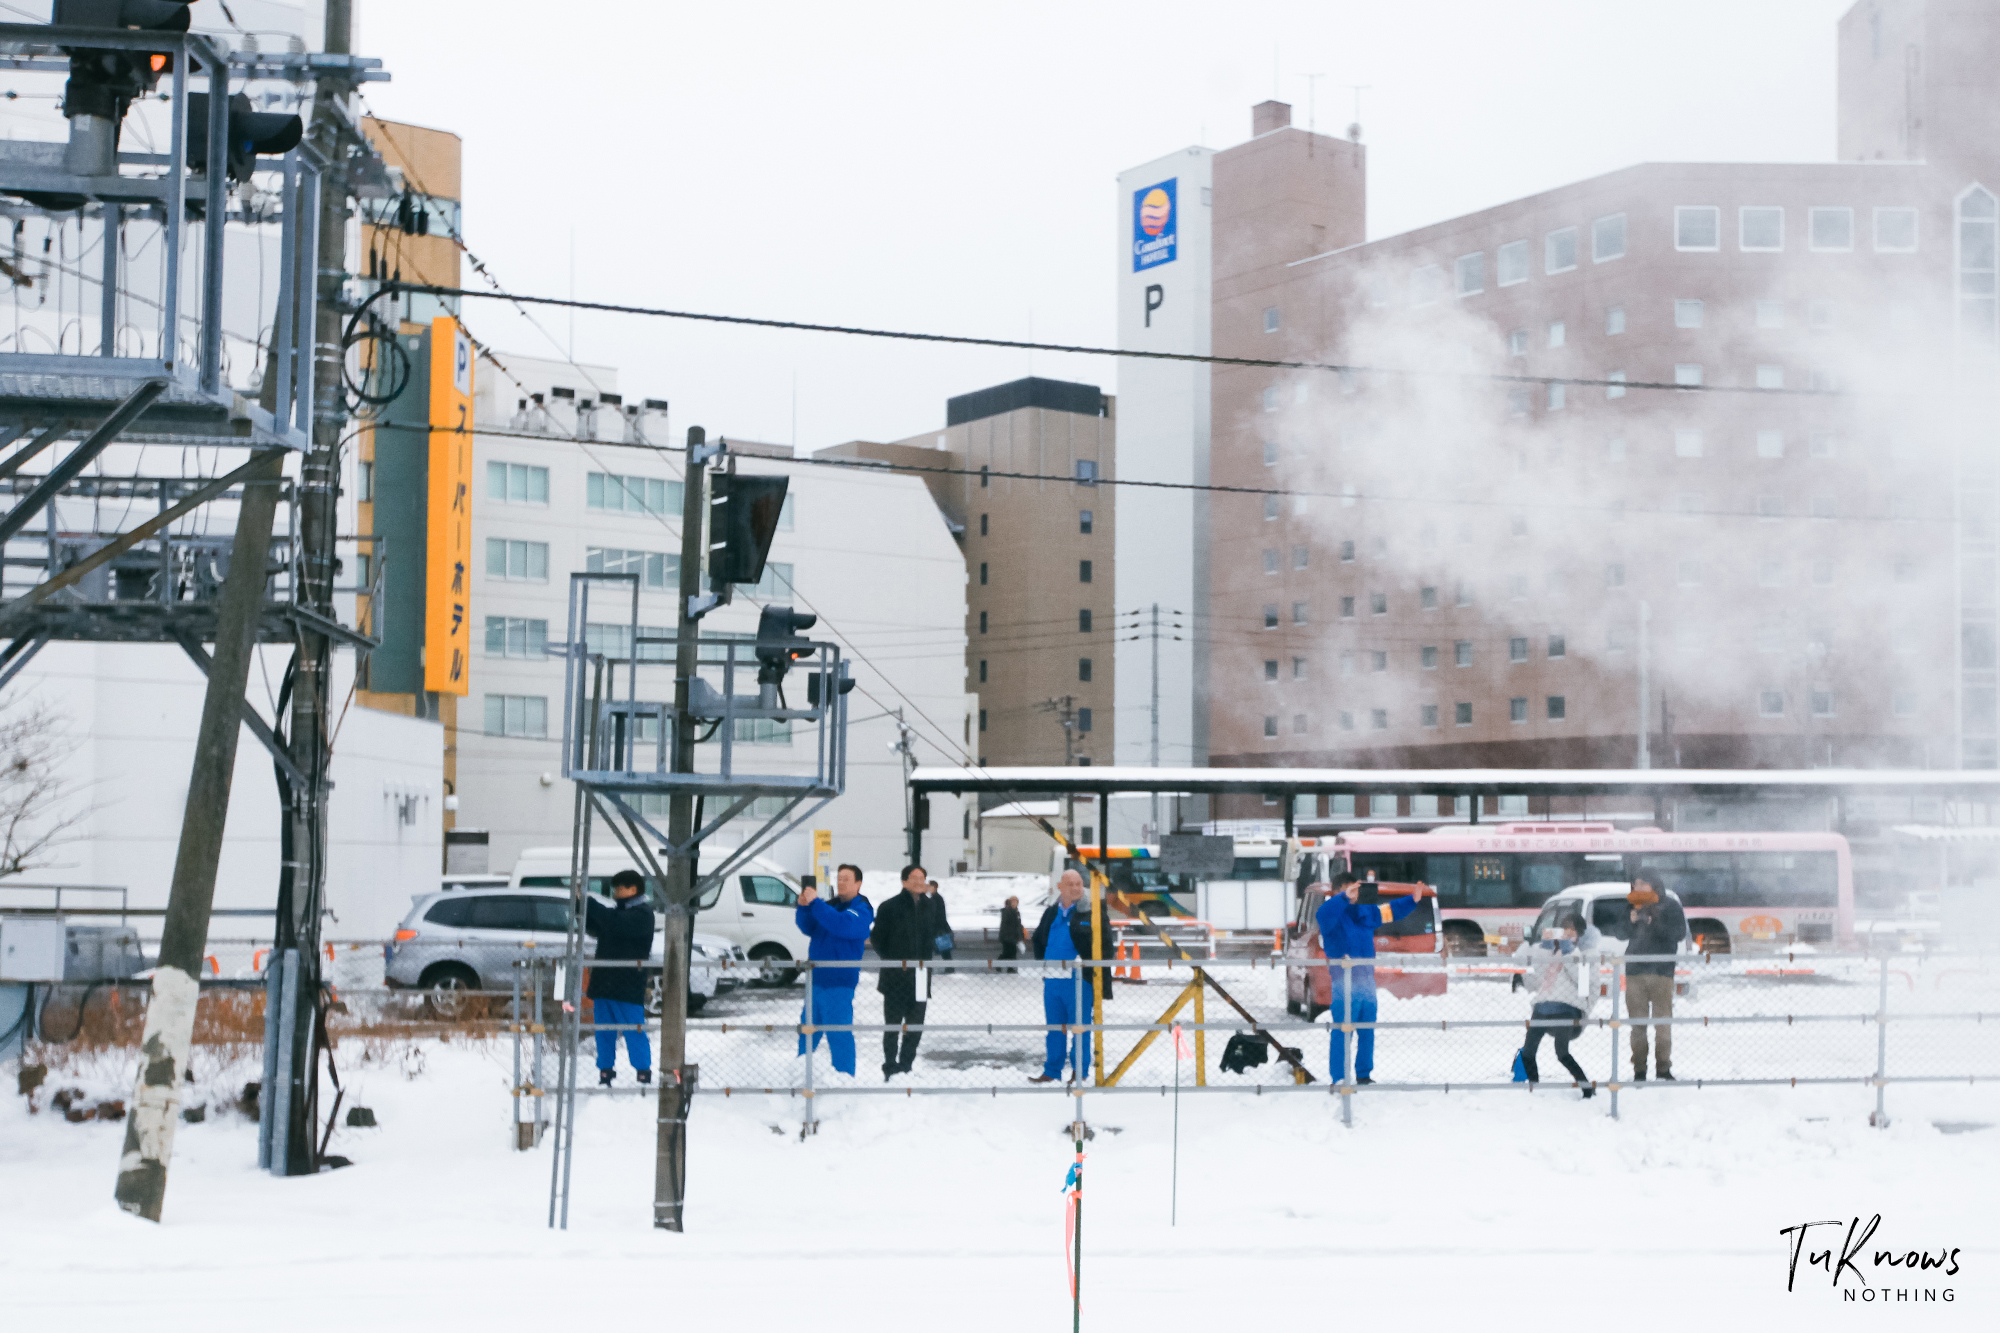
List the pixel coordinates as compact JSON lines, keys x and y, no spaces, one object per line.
{"x":1658,"y":927}
{"x":908,"y":928}
{"x":624,"y":932}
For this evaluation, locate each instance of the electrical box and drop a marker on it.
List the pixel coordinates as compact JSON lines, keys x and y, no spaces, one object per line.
{"x":31,"y":948}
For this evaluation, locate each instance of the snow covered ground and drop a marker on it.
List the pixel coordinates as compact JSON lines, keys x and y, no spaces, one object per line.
{"x":1488,"y":1211}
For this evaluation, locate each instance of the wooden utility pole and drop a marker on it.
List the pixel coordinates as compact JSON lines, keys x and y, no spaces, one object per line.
{"x":169,"y":1030}
{"x":676,"y":1075}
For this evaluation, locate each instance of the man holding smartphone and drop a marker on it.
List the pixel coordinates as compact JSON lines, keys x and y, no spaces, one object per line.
{"x":838,"y":931}
{"x":1347,"y":930}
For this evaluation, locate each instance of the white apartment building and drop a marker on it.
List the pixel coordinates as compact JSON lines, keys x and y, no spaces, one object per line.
{"x":567,"y":482}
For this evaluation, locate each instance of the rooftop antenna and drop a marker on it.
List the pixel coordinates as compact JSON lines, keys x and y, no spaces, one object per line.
{"x":1312,"y":108}
{"x":1354,"y":130}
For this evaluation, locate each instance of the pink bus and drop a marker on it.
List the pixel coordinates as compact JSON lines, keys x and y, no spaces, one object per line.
{"x":1740,"y":890}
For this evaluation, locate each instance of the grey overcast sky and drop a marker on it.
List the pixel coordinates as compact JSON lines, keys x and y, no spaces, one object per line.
{"x":951,"y":168}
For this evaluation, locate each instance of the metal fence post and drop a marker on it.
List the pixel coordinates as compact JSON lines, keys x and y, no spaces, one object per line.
{"x":515,"y":1027}
{"x":1347,"y":1041}
{"x":806,"y":1033}
{"x":1880,"y":1118}
{"x":1617,"y":998}
{"x":541,"y":1100}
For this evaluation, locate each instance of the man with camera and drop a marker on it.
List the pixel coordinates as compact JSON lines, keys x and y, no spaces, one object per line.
{"x":1347,"y":930}
{"x":837,"y":930}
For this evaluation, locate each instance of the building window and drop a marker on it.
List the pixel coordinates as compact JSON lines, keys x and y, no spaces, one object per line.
{"x":517,"y":715}
{"x":1085,"y":520}
{"x":1614,"y":639}
{"x":1517,"y":650}
{"x":1517,"y":343}
{"x":511,"y":636}
{"x":1347,"y":553}
{"x":1270,"y":508}
{"x":1697,"y":227}
{"x":1471,"y":273}
{"x":514,"y":483}
{"x":1558,"y":708}
{"x":1428,"y":715}
{"x":982,"y":719}
{"x":1378,"y":661}
{"x":1270,"y":453}
{"x":1378,"y":718}
{"x":517,"y":560}
{"x":1830,"y":228}
{"x":1687,"y":376}
{"x":1607,"y":238}
{"x":1558,"y":397}
{"x":1614,"y":575}
{"x":1426,"y":285}
{"x":1083,"y":724}
{"x":985,"y":475}
{"x":1270,"y":560}
{"x":1687,"y":314}
{"x":1270,"y":319}
{"x":982,"y":622}
{"x":1687,"y":444}
{"x":1770,"y":377}
{"x":1615,"y":389}
{"x":1558,"y":647}
{"x":1082,"y":571}
{"x":1271,"y":726}
{"x":1614,"y":320}
{"x":1978,"y":314}
{"x":1428,"y":656}
{"x":1760,"y":228}
{"x":1462,"y":714}
{"x":1346,"y":608}
{"x":1895,"y":231}
{"x":1271,"y":398}
{"x":1270,"y":615}
{"x":1770,"y":444}
{"x":982,"y":671}
{"x":1517,"y":710}
{"x":1770,"y":314}
{"x":1688,"y":573}
{"x":1346,"y":724}
{"x":1300,"y":555}
{"x":1270,"y":668}
{"x":1463,"y":592}
{"x":1513,"y":263}
{"x":1083,"y":621}
{"x":364,"y":484}
{"x":982,"y":524}
{"x":1298,"y":613}
{"x":1378,"y":603}
{"x":1770,"y":703}
{"x":1427,"y":599}
{"x":1083,"y":668}
{"x":1299,"y":669}
{"x":1086,"y":471}
{"x":616,"y":494}
{"x":1461,"y":652}
{"x":1347,"y":664}
{"x":1558,"y":333}
{"x":1822,"y":703}
{"x":982,"y":573}
{"x":1559,"y":250}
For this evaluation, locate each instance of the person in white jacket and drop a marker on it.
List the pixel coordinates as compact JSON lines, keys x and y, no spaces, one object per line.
{"x":1562,"y":976}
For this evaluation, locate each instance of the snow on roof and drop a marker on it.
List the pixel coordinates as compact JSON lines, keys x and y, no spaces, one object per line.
{"x":1947,"y":833}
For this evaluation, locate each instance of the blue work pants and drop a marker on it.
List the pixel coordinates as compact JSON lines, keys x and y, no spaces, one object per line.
{"x":638,"y":1047}
{"x":1060,"y":1004}
{"x":1364,"y":1056}
{"x":831,"y":1004}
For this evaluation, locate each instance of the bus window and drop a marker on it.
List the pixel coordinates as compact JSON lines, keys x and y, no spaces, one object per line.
{"x":1701,"y":879}
{"x":1787,"y":879}
{"x":1446,"y":874}
{"x":1487,"y":882}
{"x":1540,"y":880}
{"x":1254,"y":867}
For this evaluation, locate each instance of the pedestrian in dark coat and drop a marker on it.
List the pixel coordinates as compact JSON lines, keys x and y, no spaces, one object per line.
{"x":1658,"y":928}
{"x":1010,"y":930}
{"x":908,"y":928}
{"x":624,"y":933}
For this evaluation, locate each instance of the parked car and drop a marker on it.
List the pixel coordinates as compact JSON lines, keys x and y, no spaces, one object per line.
{"x":752,"y":908}
{"x":1603,"y":907}
{"x":470,"y":939}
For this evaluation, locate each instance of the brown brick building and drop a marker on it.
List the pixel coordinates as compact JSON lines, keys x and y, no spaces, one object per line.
{"x":1790,"y":545}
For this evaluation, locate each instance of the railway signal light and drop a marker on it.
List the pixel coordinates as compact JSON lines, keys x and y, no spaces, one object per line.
{"x":251,"y":134}
{"x":743,"y":519}
{"x":780,"y":642}
{"x":103,"y":82}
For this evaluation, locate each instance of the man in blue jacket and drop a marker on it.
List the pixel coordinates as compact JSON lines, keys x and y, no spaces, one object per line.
{"x":838,"y":931}
{"x":1347,"y":930}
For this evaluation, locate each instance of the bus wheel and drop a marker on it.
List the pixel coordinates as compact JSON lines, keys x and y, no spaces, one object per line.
{"x":1464,"y":941}
{"x":1709,"y":936}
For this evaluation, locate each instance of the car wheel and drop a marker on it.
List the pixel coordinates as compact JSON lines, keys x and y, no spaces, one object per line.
{"x":652,"y":1000}
{"x":772,"y":953}
{"x":1709,"y":936}
{"x":445,"y":988}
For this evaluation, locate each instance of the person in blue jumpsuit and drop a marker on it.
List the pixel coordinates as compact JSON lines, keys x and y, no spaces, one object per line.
{"x":838,"y":931}
{"x":1064,"y":932}
{"x":1347,"y":930}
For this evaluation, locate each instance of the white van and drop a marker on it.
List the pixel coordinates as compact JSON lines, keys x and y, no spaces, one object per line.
{"x":752,"y":908}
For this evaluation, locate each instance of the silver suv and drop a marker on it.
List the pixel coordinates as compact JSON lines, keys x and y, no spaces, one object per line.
{"x":470,"y":939}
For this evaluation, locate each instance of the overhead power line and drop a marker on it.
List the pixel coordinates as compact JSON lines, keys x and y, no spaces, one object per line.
{"x":570,"y":303}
